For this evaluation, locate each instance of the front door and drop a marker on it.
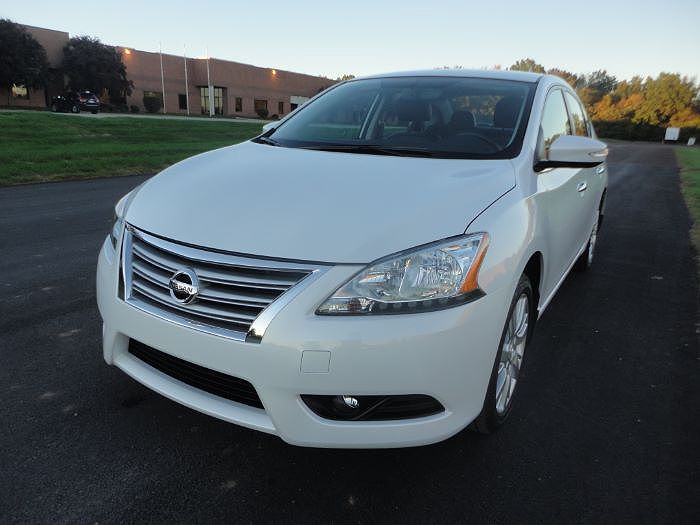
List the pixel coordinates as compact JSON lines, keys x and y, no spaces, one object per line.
{"x":562,"y":193}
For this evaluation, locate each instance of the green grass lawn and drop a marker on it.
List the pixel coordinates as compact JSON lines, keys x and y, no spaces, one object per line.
{"x":689,"y":160}
{"x":37,"y":147}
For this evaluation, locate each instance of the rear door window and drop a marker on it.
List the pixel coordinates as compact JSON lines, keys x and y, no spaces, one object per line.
{"x":578,"y":116}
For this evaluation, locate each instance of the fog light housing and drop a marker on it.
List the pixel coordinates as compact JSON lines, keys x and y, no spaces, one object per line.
{"x":372,"y":408}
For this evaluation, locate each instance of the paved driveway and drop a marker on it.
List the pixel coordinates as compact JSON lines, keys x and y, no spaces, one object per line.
{"x":606,"y":430}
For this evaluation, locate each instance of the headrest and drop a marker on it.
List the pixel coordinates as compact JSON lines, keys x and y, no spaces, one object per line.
{"x":506,"y":112}
{"x":412,"y":110}
{"x":462,"y":120}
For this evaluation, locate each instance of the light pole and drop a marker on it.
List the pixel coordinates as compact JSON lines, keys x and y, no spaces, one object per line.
{"x":126,"y":52}
{"x":210,"y":90}
{"x":187,"y":89}
{"x":162,"y":76}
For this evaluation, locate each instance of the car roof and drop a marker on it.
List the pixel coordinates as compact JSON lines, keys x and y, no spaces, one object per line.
{"x":522,"y":76}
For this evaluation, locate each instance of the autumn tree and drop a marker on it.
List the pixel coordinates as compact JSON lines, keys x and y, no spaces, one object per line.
{"x":90,"y":64}
{"x":22,"y":59}
{"x":527,"y":64}
{"x":664,"y":97}
{"x":571,"y":78}
{"x":622,"y":103}
{"x":594,"y":86}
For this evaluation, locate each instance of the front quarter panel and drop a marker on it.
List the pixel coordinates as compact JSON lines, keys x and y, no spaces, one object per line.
{"x":511,"y":225}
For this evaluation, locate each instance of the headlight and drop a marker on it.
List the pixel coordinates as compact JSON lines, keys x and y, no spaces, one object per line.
{"x":438,"y":276}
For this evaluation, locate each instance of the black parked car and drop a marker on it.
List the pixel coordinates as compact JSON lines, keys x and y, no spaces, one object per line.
{"x":75,"y":101}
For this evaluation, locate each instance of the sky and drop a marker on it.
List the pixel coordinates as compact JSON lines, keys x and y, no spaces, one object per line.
{"x":632,"y":37}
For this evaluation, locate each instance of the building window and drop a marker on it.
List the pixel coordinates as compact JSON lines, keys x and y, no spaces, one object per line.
{"x":280,"y":107}
{"x":293,"y":106}
{"x":182,"y":101}
{"x":260,"y":106}
{"x":218,"y":100}
{"x":239,"y":104}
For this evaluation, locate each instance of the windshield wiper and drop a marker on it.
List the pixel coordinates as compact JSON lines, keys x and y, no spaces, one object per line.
{"x":374,"y":149}
{"x":266,"y":140}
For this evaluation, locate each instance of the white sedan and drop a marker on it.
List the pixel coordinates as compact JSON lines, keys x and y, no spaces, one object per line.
{"x":368,"y":272}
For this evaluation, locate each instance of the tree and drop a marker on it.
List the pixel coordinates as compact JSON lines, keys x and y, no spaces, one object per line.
{"x":571,"y":78}
{"x":346,"y":76}
{"x":527,"y":64}
{"x":22,"y":59}
{"x":666,"y":96}
{"x":92,"y":65}
{"x":594,"y":86}
{"x":627,"y":88}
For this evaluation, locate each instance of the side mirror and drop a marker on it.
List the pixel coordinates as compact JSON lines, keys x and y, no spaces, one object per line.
{"x":270,"y":126}
{"x":569,"y":151}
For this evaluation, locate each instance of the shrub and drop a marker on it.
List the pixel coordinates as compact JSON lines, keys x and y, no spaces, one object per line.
{"x":153,"y":104}
{"x":108,"y":107}
{"x":274,"y":117}
{"x":134,"y":108}
{"x":626,"y":130}
{"x":262,"y":112}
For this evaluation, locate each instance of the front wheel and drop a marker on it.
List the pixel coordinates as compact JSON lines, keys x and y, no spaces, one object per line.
{"x":54,"y":107}
{"x":75,"y":109}
{"x":505,"y":375}
{"x":585,"y":260}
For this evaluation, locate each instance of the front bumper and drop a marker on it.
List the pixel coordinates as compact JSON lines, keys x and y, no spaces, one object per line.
{"x":447,"y":354}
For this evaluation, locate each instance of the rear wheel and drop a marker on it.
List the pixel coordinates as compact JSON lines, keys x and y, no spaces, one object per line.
{"x":74,"y":109}
{"x":505,"y":375}
{"x":54,"y":107}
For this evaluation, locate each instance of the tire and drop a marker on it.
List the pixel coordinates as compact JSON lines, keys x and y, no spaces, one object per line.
{"x":74,"y":109}
{"x":502,"y":387}
{"x":585,"y":260}
{"x":54,"y":108}
{"x":94,"y":112}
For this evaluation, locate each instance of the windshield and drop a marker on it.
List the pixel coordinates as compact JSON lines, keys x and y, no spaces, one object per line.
{"x":424,"y":116}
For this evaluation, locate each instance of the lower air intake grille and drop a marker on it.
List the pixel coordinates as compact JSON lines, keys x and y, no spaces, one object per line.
{"x":211,"y":381}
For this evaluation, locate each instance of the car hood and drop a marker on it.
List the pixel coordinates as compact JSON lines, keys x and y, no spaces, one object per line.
{"x":314,"y":205}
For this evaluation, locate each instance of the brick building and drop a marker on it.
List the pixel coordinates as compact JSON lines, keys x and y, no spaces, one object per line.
{"x":53,"y":42}
{"x":238,"y":89}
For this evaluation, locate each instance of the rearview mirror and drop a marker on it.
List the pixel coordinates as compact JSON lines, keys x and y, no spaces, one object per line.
{"x":569,"y":151}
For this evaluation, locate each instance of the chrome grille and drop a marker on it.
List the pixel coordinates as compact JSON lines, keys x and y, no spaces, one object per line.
{"x":238,"y":296}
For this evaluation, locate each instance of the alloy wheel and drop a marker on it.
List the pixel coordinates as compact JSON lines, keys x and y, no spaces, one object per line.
{"x":592,"y":241}
{"x":512,"y":353}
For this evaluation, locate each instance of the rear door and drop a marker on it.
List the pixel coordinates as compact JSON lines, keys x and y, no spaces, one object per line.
{"x":591,"y":194}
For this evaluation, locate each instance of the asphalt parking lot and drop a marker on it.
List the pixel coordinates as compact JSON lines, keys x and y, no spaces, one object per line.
{"x":606,"y":428}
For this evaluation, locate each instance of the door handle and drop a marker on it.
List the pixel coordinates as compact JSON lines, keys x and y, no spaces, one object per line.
{"x":582,"y":186}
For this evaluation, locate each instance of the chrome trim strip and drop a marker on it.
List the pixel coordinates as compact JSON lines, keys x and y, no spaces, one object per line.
{"x":205,"y":256}
{"x":184,"y":321}
{"x":127,"y":262}
{"x":258,"y":327}
{"x":261,"y":323}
